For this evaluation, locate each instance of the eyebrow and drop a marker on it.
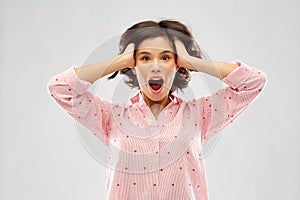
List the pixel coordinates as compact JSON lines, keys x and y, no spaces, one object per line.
{"x":145,"y":52}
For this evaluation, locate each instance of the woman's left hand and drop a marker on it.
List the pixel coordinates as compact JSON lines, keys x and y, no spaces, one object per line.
{"x":184,"y":59}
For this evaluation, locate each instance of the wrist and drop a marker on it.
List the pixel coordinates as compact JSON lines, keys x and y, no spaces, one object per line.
{"x":196,"y":63}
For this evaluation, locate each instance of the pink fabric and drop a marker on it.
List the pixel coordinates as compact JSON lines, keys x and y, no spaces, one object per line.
{"x":157,"y":159}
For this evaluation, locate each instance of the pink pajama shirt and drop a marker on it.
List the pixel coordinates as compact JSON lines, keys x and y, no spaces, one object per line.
{"x":157,"y":158}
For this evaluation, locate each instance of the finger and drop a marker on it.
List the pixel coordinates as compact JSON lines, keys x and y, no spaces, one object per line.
{"x":179,"y":43}
{"x":180,"y":47}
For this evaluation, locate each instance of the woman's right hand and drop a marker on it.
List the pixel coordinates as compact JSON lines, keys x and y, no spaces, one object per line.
{"x":126,"y":59}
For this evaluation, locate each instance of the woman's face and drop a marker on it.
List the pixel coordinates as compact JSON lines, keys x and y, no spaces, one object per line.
{"x":155,"y":67}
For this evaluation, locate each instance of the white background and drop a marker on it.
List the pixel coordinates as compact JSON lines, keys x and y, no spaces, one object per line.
{"x":41,"y":156}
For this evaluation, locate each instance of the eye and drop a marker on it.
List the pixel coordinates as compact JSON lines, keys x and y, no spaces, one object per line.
{"x":165,"y":57}
{"x":145,"y":58}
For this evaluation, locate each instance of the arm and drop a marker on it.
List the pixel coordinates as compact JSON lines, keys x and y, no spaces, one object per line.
{"x":69,"y":90}
{"x":93,"y":72}
{"x":217,"y":111}
{"x":72,"y":95}
{"x":214,"y":68}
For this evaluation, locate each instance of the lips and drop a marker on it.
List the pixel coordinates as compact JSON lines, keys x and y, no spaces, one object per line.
{"x":156,"y":83}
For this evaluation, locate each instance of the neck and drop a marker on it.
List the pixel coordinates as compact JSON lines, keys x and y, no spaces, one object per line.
{"x":164,"y":102}
{"x":156,"y":106}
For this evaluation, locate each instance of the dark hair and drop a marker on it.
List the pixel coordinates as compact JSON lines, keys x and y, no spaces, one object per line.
{"x":165,"y":28}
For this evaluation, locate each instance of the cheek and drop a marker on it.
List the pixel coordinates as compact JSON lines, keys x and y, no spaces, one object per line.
{"x":169,"y":79}
{"x":172,"y":66}
{"x":140,"y":72}
{"x":141,"y":76}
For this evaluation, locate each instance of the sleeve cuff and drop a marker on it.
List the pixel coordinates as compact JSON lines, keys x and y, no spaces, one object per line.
{"x":239,"y":75}
{"x":71,"y":78}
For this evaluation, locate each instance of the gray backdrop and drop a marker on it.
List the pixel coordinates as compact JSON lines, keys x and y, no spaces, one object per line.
{"x":41,"y":154}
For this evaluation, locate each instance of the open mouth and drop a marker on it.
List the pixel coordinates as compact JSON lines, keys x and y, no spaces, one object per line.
{"x":156,"y":84}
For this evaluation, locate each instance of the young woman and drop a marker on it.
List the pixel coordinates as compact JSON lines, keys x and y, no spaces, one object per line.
{"x":156,"y":141}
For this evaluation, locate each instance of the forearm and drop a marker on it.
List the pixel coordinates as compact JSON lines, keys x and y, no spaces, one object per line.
{"x":214,"y":68}
{"x":92,"y":72}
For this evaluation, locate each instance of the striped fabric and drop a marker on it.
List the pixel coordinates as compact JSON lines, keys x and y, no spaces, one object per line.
{"x":157,"y":158}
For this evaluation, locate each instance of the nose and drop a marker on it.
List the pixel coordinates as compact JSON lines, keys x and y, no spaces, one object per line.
{"x":155,"y":67}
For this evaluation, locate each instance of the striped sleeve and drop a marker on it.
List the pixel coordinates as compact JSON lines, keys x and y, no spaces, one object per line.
{"x":221,"y":108}
{"x":72,"y":95}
